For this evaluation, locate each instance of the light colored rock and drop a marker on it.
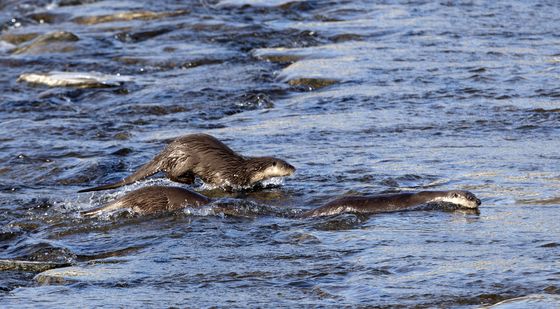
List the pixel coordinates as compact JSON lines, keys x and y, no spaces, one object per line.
{"x":29,"y":265}
{"x":126,"y":16}
{"x":73,"y":79}
{"x":87,"y":273}
{"x":62,"y":275}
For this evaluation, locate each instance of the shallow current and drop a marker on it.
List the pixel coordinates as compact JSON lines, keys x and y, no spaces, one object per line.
{"x":361,"y":96}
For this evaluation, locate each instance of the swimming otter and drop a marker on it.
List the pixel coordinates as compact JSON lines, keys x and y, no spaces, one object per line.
{"x":156,"y":199}
{"x":212,"y":161}
{"x":151,"y":200}
{"x":392,"y":202}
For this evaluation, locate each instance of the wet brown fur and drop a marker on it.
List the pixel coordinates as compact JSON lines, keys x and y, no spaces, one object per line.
{"x":153,"y":199}
{"x":203,"y":156}
{"x":383,"y":203}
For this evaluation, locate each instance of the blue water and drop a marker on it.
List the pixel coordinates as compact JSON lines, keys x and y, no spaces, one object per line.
{"x":360,"y":96}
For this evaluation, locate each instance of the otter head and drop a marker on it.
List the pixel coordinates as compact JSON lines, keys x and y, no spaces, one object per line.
{"x":268,"y":167}
{"x":462,"y":198}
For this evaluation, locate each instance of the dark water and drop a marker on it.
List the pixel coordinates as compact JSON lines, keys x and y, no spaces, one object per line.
{"x":360,"y":96}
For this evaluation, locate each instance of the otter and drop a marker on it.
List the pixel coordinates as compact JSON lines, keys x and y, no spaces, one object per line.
{"x":157,"y":199}
{"x":151,"y":200}
{"x":204,"y":156}
{"x":393,"y":202}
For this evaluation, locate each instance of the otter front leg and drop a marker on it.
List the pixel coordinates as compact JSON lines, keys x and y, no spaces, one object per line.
{"x":186,"y":178}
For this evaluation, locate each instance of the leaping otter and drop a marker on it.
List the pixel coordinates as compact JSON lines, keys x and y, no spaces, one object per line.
{"x":204,"y":156}
{"x":151,"y":200}
{"x":393,"y":202}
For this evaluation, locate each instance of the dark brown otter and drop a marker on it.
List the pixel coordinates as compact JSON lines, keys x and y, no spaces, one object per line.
{"x":393,"y":202}
{"x":157,"y":199}
{"x":151,"y":200}
{"x":204,"y":156}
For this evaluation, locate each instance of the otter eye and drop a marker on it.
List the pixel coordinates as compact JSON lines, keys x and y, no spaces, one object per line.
{"x":455,"y":195}
{"x":274,"y":163}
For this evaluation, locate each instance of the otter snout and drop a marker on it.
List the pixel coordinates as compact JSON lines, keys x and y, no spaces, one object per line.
{"x":478,"y":202}
{"x":290,"y":169}
{"x":282,"y":168}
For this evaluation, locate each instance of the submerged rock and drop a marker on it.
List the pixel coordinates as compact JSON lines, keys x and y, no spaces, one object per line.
{"x":57,"y":42}
{"x":322,"y":66}
{"x":312,"y":83}
{"x":283,"y":54}
{"x":278,"y":57}
{"x":47,"y":17}
{"x":18,"y":38}
{"x":138,"y":36}
{"x":31,"y":266}
{"x":62,"y":275}
{"x":126,"y":16}
{"x":256,"y":3}
{"x":73,"y":79}
{"x":88,"y":273}
{"x":9,"y":232}
{"x":75,"y":2}
{"x":296,"y":74}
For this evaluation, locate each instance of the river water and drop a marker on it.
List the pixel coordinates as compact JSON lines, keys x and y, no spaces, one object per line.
{"x":361,"y":96}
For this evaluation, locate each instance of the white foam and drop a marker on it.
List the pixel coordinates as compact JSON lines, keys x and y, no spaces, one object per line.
{"x":205,"y":211}
{"x":274,"y":181}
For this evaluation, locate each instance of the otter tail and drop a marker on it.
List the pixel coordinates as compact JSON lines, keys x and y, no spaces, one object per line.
{"x":146,"y":170}
{"x":92,"y":213}
{"x":105,"y":187}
